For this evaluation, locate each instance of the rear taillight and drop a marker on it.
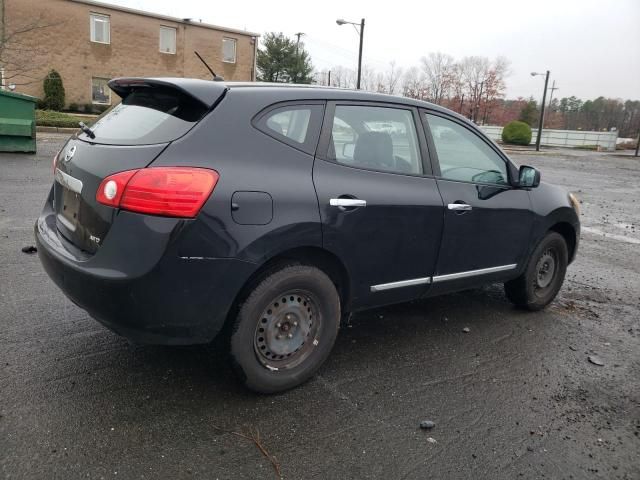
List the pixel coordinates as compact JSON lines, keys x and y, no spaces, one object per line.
{"x":167,"y":191}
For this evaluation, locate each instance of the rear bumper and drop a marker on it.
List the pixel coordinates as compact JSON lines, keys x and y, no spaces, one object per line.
{"x":138,"y":286}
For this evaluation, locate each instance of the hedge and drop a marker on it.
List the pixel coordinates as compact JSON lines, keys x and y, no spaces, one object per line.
{"x":49,"y":118}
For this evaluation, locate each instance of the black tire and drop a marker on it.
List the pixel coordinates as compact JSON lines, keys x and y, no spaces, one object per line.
{"x":536,"y":287}
{"x":285,"y":329}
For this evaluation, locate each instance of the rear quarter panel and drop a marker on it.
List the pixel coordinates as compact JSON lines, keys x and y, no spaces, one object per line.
{"x":250,"y":161}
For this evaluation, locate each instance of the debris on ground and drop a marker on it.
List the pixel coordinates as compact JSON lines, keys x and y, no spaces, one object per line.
{"x":572,"y":348}
{"x":431,"y":440}
{"x":29,"y":249}
{"x":466,"y":329}
{"x":595,"y":360}
{"x":427,"y":424}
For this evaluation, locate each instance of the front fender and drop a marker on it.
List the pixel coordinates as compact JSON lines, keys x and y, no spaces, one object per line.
{"x":553,"y":211}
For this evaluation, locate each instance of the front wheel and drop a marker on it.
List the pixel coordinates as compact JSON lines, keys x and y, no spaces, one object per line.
{"x":285,"y":329}
{"x":543,"y":276}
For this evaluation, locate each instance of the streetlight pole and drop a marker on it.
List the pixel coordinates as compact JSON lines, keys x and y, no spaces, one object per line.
{"x":340,"y":21}
{"x":544,"y":100}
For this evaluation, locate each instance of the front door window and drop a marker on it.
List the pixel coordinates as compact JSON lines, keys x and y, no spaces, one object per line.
{"x":464,"y":156}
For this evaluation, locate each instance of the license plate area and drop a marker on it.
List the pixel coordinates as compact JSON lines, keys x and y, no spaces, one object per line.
{"x":69,"y":209}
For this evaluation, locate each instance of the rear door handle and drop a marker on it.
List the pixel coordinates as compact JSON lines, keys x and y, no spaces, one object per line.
{"x":460,"y":207}
{"x":347,"y":202}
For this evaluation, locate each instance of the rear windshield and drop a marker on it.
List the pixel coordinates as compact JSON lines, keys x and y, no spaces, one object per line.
{"x":146,"y":116}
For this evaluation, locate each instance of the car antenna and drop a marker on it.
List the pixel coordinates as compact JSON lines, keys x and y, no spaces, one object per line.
{"x":216,"y":78}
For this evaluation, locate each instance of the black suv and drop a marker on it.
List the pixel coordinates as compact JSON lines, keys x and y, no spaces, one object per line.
{"x":268,"y":212}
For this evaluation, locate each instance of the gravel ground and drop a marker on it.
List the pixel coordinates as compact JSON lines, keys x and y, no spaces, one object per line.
{"x":515,"y":397}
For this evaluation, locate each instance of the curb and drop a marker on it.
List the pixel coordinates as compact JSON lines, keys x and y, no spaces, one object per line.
{"x":44,"y":129}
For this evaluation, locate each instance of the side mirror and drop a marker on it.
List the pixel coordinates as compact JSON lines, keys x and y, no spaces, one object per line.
{"x":528,"y":177}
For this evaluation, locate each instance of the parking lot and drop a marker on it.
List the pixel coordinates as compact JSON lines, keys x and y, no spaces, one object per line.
{"x":515,"y":397}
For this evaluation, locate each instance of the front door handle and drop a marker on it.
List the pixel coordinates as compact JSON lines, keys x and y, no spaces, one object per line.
{"x":347,"y":202}
{"x":460,"y":207}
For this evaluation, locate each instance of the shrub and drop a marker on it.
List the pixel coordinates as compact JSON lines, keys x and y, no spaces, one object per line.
{"x":516,"y":133}
{"x":53,"y":91}
{"x":101,"y":108}
{"x":87,"y":108}
{"x":73,"y":107}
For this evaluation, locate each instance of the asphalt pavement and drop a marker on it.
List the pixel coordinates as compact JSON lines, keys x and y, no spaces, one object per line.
{"x":514,"y":397}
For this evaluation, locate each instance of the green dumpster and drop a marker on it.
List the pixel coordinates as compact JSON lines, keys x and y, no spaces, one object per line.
{"x":17,"y":122}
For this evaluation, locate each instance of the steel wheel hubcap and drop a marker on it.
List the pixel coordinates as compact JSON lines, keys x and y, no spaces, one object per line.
{"x":546,"y":269}
{"x":287,"y":326}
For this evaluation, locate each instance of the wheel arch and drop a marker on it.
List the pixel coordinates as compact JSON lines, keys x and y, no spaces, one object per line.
{"x":569,"y":234}
{"x":314,"y":256}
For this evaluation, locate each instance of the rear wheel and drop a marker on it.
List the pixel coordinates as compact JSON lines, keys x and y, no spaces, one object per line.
{"x":285,"y":329}
{"x":543,"y":276}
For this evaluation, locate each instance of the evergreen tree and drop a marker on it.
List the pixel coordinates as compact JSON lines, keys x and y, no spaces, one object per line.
{"x":283,"y":60}
{"x":53,"y":91}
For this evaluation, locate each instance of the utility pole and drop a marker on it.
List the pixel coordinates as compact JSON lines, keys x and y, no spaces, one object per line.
{"x":553,"y":88}
{"x":298,"y":35}
{"x":544,"y":100}
{"x":329,"y":79}
{"x":638,"y":144}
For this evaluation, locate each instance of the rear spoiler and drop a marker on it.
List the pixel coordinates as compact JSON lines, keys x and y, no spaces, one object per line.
{"x":205,"y":91}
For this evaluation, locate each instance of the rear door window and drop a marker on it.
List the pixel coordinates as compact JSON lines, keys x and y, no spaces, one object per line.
{"x":376,"y":138}
{"x":297,"y":125}
{"x":147,"y":116}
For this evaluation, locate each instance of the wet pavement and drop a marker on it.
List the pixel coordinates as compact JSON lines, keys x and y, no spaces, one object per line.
{"x":515,"y":397}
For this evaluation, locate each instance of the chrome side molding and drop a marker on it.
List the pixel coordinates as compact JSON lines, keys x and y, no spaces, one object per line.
{"x":473,"y":273}
{"x":441,"y":278}
{"x":401,"y":283}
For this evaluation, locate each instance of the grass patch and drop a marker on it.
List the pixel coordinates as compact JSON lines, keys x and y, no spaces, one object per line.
{"x":49,"y":118}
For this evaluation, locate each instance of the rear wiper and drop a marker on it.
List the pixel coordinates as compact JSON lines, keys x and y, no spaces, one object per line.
{"x":87,"y":130}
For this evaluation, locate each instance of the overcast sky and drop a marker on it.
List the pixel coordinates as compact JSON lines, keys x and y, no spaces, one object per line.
{"x":592,"y":47}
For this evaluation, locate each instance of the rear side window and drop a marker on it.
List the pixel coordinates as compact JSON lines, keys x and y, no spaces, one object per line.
{"x":146,"y":116}
{"x":296,"y":125}
{"x":293,"y":123}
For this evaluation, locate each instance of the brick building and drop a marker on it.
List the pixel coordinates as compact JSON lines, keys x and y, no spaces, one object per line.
{"x":90,"y":42}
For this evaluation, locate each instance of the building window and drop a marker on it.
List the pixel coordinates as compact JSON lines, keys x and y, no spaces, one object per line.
{"x":168,"y":40}
{"x":229,"y":50}
{"x":100,"y":91}
{"x":100,"y":28}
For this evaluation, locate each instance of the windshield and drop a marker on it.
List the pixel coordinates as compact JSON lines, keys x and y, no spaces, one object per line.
{"x":147,"y":116}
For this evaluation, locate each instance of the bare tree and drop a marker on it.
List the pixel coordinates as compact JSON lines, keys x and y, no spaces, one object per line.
{"x":22,"y":49}
{"x":474,"y":73}
{"x":342,"y":77}
{"x":438,"y":68}
{"x":392,"y":78}
{"x":413,"y":84}
{"x":368,"y":79}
